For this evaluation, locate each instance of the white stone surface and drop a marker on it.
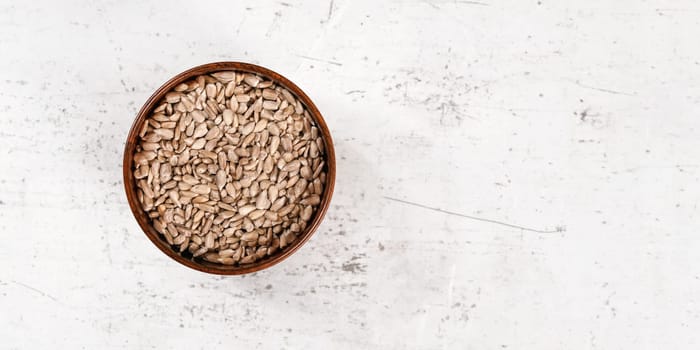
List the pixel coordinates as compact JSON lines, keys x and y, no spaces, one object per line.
{"x":577,"y":120}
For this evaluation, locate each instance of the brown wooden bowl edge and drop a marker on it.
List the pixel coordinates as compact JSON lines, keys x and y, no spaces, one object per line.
{"x":130,"y":185}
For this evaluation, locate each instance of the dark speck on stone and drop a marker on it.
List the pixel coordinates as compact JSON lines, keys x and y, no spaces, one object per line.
{"x":269,"y":286}
{"x":353,"y":267}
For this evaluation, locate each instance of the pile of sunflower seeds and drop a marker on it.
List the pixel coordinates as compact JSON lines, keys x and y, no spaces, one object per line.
{"x":230,"y":167}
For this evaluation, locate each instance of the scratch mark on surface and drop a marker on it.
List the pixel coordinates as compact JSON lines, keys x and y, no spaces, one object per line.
{"x":451,"y":285}
{"x":502,"y":223}
{"x":60,"y":95}
{"x":330,"y":11}
{"x":678,"y":10}
{"x":602,"y":89}
{"x":473,"y":3}
{"x":36,"y":290}
{"x":354,"y":92}
{"x":274,"y":23}
{"x":238,"y":30}
{"x":108,"y":249}
{"x":432,"y":5}
{"x":320,"y":60}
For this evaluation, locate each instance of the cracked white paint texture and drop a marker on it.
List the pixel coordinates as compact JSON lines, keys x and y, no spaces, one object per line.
{"x":516,"y":174}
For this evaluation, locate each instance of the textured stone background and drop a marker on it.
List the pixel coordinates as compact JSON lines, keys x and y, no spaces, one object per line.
{"x":515,"y":174}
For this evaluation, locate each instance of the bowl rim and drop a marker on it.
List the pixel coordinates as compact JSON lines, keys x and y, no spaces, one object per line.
{"x":130,"y":183}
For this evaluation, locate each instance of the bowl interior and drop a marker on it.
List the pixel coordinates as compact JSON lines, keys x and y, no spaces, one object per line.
{"x":130,"y":183}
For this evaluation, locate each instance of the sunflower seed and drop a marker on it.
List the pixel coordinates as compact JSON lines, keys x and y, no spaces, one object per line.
{"x":251,"y":80}
{"x":166,"y":134}
{"x":199,"y":144}
{"x":245,"y":210}
{"x":227,"y":116}
{"x":250,"y":237}
{"x":311,"y":200}
{"x":225,"y":76}
{"x":201,"y":189}
{"x":270,"y":105}
{"x":172,"y":97}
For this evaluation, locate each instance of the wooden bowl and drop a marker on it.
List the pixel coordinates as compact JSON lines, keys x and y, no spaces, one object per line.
{"x":144,"y":221}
